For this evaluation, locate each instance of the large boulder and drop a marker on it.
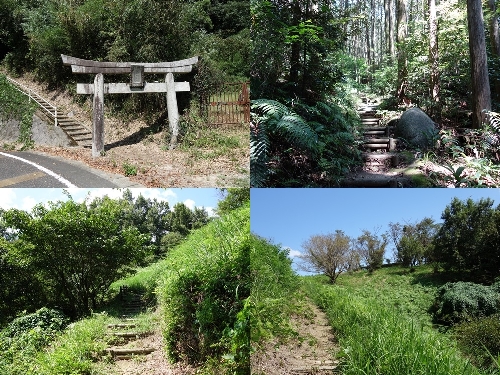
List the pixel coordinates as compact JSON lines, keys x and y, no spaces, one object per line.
{"x":416,"y":128}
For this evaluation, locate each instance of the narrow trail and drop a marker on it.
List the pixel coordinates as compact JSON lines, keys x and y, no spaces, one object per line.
{"x":383,"y":165}
{"x":312,"y":352}
{"x":138,"y":353}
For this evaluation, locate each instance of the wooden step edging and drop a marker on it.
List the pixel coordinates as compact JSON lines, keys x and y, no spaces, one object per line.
{"x":132,"y":351}
{"x":122,"y":325}
{"x":312,"y":369}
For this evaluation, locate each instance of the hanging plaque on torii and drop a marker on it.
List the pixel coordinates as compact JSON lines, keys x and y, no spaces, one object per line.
{"x":137,"y":85}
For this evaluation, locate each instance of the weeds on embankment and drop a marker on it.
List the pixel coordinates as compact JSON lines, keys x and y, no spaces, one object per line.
{"x":377,"y":338}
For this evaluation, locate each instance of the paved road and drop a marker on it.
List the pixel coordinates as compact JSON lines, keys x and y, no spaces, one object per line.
{"x":37,"y":170}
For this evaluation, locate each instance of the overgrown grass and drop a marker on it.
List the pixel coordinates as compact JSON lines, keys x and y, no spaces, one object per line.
{"x":202,"y":295}
{"x":409,"y":292}
{"x":272,"y":298}
{"x":376,"y":338}
{"x":74,"y":351}
{"x":143,"y":281}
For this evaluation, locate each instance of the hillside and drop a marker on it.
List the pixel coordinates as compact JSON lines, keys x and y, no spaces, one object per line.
{"x":381,"y":323}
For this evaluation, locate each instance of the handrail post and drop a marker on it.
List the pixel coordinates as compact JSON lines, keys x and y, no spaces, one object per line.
{"x":55,"y":116}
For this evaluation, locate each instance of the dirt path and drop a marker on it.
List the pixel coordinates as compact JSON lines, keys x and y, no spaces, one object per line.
{"x":152,"y":364}
{"x":312,"y":352}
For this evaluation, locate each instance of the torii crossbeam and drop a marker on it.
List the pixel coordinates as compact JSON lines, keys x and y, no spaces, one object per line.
{"x":137,"y":85}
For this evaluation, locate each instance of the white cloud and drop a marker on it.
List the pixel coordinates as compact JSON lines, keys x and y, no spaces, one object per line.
{"x":190,"y":204}
{"x":210,"y":211}
{"x":7,"y":198}
{"x":28,"y":204}
{"x":293,"y":253}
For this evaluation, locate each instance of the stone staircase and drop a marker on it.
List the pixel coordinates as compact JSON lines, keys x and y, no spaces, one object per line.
{"x":77,"y":132}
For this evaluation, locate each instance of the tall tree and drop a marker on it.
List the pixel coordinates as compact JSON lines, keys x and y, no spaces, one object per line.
{"x":434,"y":58}
{"x":402,"y":27}
{"x":328,"y":254}
{"x":495,"y":42}
{"x":75,"y":250}
{"x":388,"y":27}
{"x":468,"y":240}
{"x":481,"y":95}
{"x":371,"y":249}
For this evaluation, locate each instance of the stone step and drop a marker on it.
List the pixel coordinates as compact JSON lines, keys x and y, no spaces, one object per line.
{"x":83,"y":138}
{"x":77,"y":132}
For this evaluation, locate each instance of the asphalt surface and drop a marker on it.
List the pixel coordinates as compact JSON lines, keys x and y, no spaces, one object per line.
{"x":30,"y":169}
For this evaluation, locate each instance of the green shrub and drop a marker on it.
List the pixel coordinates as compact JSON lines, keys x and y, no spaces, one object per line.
{"x":75,"y":351}
{"x":463,"y":301}
{"x":273,"y":286}
{"x":204,"y":291}
{"x":480,"y":339}
{"x":44,"y":318}
{"x":16,"y":106}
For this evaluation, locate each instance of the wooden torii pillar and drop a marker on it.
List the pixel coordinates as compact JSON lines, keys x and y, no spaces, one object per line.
{"x":137,"y":85}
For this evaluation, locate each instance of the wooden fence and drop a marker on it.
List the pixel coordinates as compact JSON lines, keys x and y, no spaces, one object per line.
{"x":231,"y":105}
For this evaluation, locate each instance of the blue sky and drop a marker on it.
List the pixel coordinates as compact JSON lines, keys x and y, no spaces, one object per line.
{"x":26,"y":199}
{"x":290,"y":216}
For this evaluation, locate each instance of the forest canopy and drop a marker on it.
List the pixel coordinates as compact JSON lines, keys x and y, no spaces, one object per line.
{"x":35,"y":33}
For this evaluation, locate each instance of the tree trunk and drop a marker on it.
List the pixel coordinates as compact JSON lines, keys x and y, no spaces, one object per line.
{"x":434,"y":59}
{"x":402,"y":27}
{"x":481,"y":96}
{"x":495,"y":42}
{"x":387,"y":27}
{"x":392,"y":18}
{"x":295,"y":52}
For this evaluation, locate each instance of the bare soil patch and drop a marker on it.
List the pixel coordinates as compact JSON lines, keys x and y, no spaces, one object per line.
{"x":312,"y":351}
{"x":211,"y":157}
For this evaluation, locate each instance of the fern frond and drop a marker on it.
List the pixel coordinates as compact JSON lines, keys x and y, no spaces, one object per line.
{"x":270,"y":117}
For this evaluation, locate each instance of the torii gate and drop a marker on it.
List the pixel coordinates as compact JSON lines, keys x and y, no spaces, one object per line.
{"x":136,"y":85}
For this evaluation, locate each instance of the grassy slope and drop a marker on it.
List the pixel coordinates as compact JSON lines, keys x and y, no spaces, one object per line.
{"x":383,"y":324}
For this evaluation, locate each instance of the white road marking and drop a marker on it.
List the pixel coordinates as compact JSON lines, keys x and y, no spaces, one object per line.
{"x":43,"y":169}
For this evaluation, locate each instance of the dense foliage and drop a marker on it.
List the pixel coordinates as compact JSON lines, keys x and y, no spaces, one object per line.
{"x":464,"y":301}
{"x":16,"y":107}
{"x":75,"y":250}
{"x":468,"y":240}
{"x":273,"y":287}
{"x":67,"y":254}
{"x":204,"y":290}
{"x":72,"y":351}
{"x":35,"y":33}
{"x":302,"y":126}
{"x":480,"y":339}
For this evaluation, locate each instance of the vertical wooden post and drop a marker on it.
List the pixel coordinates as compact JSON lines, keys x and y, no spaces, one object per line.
{"x":98,"y":117}
{"x":173,"y":112}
